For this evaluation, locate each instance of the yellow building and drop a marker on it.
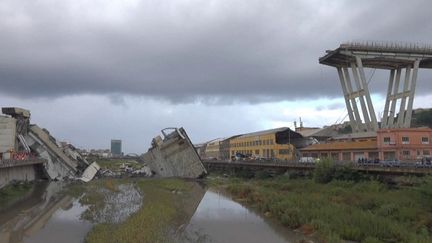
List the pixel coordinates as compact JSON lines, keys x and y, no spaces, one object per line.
{"x":213,"y":149}
{"x":268,"y":144}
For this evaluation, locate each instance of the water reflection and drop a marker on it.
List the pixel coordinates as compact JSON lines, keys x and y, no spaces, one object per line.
{"x":48,"y":214}
{"x":45,"y":215}
{"x":220,"y":219}
{"x":65,"y":226}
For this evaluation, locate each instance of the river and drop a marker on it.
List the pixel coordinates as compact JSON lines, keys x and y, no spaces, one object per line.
{"x":50,"y":214}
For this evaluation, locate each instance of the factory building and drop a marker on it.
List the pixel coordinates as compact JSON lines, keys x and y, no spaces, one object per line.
{"x":269,"y":144}
{"x":116,"y":147}
{"x":403,"y":144}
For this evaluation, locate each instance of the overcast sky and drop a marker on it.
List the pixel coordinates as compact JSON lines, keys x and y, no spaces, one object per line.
{"x":90,"y":71}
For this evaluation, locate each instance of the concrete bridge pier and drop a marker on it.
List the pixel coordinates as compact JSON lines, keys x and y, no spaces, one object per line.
{"x":403,"y":120}
{"x":366,"y":119}
{"x":402,"y":59}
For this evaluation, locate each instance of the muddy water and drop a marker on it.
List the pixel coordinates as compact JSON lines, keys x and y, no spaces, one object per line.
{"x":48,"y":214}
{"x":63,"y":226}
{"x":219,"y":219}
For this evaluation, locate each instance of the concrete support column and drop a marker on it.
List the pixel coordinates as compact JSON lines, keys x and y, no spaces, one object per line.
{"x":402,"y":108}
{"x":384,"y":121}
{"x":352,"y":99}
{"x":373,"y":119}
{"x":366,"y":121}
{"x":393,"y":99}
{"x":407,"y":122}
{"x":393,"y":95}
{"x":360,"y":95}
{"x":342,"y":79}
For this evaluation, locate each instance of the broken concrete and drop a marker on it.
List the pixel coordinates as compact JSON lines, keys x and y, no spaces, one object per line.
{"x":174,"y":156}
{"x":90,"y":172}
{"x":32,"y":141}
{"x":58,"y":165}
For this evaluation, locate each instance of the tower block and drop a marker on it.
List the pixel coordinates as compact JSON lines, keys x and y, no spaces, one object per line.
{"x":402,"y":61}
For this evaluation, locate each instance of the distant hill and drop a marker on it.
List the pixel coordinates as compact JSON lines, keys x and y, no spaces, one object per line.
{"x":422,"y":118}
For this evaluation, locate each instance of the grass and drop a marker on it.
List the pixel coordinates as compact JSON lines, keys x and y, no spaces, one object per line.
{"x":13,"y":192}
{"x":365,"y":211}
{"x":155,"y":221}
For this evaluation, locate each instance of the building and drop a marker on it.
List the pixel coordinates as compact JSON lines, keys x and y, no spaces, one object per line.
{"x":200,"y":149}
{"x":212,"y":150}
{"x":269,"y":144}
{"x":103,"y":153}
{"x":404,"y":144}
{"x":343,"y":150}
{"x":116,"y":147}
{"x":225,"y":148}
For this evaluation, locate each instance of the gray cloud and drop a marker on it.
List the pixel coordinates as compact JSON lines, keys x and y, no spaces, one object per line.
{"x":195,"y":51}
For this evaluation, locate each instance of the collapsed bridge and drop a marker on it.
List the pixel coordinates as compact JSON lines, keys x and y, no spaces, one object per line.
{"x":21,"y":142}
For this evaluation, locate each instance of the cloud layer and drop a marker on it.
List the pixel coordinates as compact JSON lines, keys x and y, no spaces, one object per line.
{"x":193,"y":51}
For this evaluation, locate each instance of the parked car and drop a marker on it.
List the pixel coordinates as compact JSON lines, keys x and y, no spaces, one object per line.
{"x":419,"y":164}
{"x":307,"y":160}
{"x":424,"y":163}
{"x":391,"y":163}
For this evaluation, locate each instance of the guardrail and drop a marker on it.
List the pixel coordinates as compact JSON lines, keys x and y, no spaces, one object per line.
{"x":366,"y":167}
{"x":8,"y":163}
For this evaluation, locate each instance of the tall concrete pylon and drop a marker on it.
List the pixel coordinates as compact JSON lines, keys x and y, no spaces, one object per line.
{"x":403,"y":60}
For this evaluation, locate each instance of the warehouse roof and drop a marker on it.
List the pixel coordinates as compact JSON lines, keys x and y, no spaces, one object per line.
{"x":293,"y":134}
{"x":355,"y":135}
{"x":354,"y":145}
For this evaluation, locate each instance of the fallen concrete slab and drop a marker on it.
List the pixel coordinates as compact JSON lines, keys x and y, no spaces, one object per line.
{"x":25,"y":141}
{"x":58,"y":165}
{"x":174,"y":155}
{"x":90,"y":172}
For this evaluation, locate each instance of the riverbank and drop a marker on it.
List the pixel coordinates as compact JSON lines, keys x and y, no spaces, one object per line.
{"x":158,"y":210}
{"x":363,"y":211}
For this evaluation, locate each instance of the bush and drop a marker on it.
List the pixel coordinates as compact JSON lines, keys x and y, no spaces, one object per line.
{"x":291,"y":218}
{"x":324,"y":171}
{"x":346,"y":173}
{"x":262,"y":174}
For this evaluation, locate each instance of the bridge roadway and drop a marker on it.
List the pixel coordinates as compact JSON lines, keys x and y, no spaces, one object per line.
{"x":8,"y":163}
{"x":285,"y":166}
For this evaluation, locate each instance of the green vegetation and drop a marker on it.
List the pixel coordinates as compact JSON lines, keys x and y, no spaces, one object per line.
{"x":326,"y":171}
{"x":337,"y":210}
{"x":156,"y":221}
{"x":13,"y":192}
{"x":423,"y":118}
{"x":346,"y":130}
